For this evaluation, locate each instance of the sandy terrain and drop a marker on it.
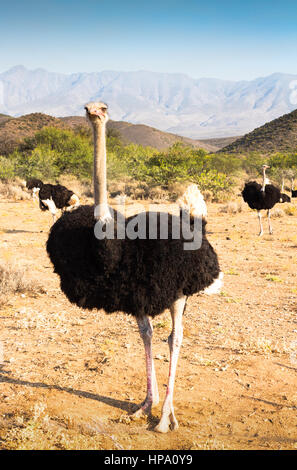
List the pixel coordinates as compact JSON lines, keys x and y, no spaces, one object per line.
{"x":69,"y":377}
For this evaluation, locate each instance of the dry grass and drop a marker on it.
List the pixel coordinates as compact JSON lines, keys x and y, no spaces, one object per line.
{"x":13,"y":280}
{"x":80,"y":188}
{"x":277,"y":212}
{"x":36,"y":429}
{"x":231,"y":208}
{"x":14,"y":190}
{"x":290,"y":209}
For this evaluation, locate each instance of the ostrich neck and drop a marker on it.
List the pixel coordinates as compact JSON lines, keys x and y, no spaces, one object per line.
{"x":100,"y":184}
{"x":264,"y":180}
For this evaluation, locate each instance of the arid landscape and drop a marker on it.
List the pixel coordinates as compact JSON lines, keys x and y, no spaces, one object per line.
{"x":69,"y":377}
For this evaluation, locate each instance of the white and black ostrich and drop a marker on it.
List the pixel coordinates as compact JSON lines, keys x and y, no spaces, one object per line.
{"x":56,"y":196}
{"x":34,"y":185}
{"x":141,"y":276}
{"x":263,"y":197}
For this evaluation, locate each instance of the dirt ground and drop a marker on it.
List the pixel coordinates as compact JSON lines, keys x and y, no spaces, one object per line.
{"x":70,"y":377}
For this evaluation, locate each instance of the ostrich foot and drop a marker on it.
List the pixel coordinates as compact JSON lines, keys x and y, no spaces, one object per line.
{"x":167,"y":422}
{"x":260,"y":234}
{"x":145,"y":408}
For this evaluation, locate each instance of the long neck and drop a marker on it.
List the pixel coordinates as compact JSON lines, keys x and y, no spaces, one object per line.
{"x":100,"y":184}
{"x":264,"y":180}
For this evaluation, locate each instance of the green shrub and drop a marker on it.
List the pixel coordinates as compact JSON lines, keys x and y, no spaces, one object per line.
{"x":7,"y":169}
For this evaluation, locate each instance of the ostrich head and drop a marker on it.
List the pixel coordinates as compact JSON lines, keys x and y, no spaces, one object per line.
{"x":96,"y":112}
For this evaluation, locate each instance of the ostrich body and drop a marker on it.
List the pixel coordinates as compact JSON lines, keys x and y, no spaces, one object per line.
{"x":262,"y":197}
{"x":285,"y":198}
{"x":141,"y":276}
{"x":53,"y":197}
{"x":34,"y":185}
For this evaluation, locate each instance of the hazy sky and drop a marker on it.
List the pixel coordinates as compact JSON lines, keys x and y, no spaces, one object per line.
{"x":222,"y":39}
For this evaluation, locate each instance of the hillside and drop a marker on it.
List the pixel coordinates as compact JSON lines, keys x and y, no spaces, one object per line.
{"x":144,"y":135}
{"x":4,"y":117}
{"x":279,"y":135}
{"x":14,"y":130}
{"x":220,"y":142}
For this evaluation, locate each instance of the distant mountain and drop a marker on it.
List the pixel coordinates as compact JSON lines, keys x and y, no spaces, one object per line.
{"x":175,"y":103}
{"x":14,"y":130}
{"x":279,"y":135}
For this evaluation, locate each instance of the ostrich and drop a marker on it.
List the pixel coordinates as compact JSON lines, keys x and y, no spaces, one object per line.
{"x":33,"y":184}
{"x":293,"y":192}
{"x":263,"y":197}
{"x":141,"y":276}
{"x":53,"y":197}
{"x":284,"y":197}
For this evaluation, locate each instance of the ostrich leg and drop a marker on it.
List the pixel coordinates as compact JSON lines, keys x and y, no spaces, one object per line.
{"x":152,"y":396}
{"x":269,"y":222}
{"x":168,"y":419}
{"x":260,"y":222}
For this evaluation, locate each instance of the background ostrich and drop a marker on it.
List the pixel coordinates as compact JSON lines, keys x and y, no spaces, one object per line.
{"x":34,"y":185}
{"x":263,"y":197}
{"x":284,"y":197}
{"x":53,"y":197}
{"x":141,"y":277}
{"x":293,"y":192}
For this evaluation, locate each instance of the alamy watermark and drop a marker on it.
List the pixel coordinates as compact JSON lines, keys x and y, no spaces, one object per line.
{"x":151,"y":224}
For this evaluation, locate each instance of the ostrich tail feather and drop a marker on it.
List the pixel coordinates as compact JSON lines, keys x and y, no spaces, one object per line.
{"x":193,"y":202}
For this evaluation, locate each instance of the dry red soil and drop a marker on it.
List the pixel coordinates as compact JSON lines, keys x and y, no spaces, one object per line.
{"x":70,"y":377}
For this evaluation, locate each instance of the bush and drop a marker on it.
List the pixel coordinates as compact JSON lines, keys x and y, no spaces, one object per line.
{"x":231,"y":208}
{"x":13,"y":190}
{"x":12,"y":281}
{"x":7,"y":169}
{"x":290,"y":210}
{"x":54,"y":153}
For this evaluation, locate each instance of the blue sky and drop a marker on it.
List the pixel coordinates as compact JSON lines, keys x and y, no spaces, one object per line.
{"x":223,"y":39}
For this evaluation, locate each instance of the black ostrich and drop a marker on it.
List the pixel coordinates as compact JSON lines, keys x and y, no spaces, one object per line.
{"x":34,"y":185}
{"x":263,"y":197}
{"x":139,"y":275}
{"x":53,"y":197}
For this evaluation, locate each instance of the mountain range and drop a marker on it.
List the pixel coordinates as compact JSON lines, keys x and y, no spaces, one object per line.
{"x":176,"y":103}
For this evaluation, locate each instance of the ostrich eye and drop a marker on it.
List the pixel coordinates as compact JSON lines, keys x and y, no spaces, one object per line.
{"x":104,"y":109}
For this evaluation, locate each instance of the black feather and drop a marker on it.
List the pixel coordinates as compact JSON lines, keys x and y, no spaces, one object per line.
{"x":139,"y":277}
{"x":258,"y":199}
{"x":58,"y":193}
{"x":34,"y":183}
